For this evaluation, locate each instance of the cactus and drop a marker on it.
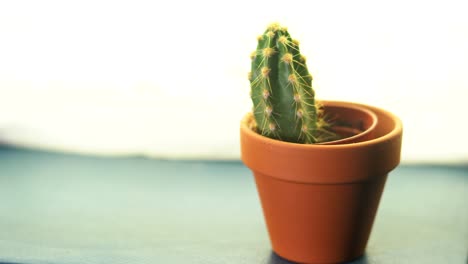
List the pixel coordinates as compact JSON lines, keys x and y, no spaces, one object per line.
{"x":281,"y":90}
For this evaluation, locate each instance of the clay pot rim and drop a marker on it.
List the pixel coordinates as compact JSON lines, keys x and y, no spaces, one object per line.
{"x":326,"y":164}
{"x":395,"y":132}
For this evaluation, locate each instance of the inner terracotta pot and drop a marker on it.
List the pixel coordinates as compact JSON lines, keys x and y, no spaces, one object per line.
{"x":353,"y":123}
{"x":319,"y":201}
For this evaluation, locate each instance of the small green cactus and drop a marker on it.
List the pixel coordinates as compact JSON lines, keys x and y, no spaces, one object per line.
{"x":281,"y":91}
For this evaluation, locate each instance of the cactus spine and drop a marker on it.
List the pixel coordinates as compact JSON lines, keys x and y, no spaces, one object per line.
{"x":281,"y":89}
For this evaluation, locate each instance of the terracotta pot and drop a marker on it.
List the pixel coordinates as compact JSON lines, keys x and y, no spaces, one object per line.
{"x":353,"y":123}
{"x":319,"y":201}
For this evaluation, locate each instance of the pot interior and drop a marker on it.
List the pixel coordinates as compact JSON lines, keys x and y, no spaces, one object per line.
{"x":351,"y":123}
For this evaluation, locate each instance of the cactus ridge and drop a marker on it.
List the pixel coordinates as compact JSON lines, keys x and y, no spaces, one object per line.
{"x":281,"y":89}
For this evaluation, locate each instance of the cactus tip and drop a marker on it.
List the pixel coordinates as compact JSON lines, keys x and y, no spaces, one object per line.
{"x":275,"y":26}
{"x":270,"y":34}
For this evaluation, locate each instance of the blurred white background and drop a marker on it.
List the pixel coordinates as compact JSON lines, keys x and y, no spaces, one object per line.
{"x":169,"y":78}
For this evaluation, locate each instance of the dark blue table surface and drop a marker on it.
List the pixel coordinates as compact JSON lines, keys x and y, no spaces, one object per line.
{"x":62,"y":208}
